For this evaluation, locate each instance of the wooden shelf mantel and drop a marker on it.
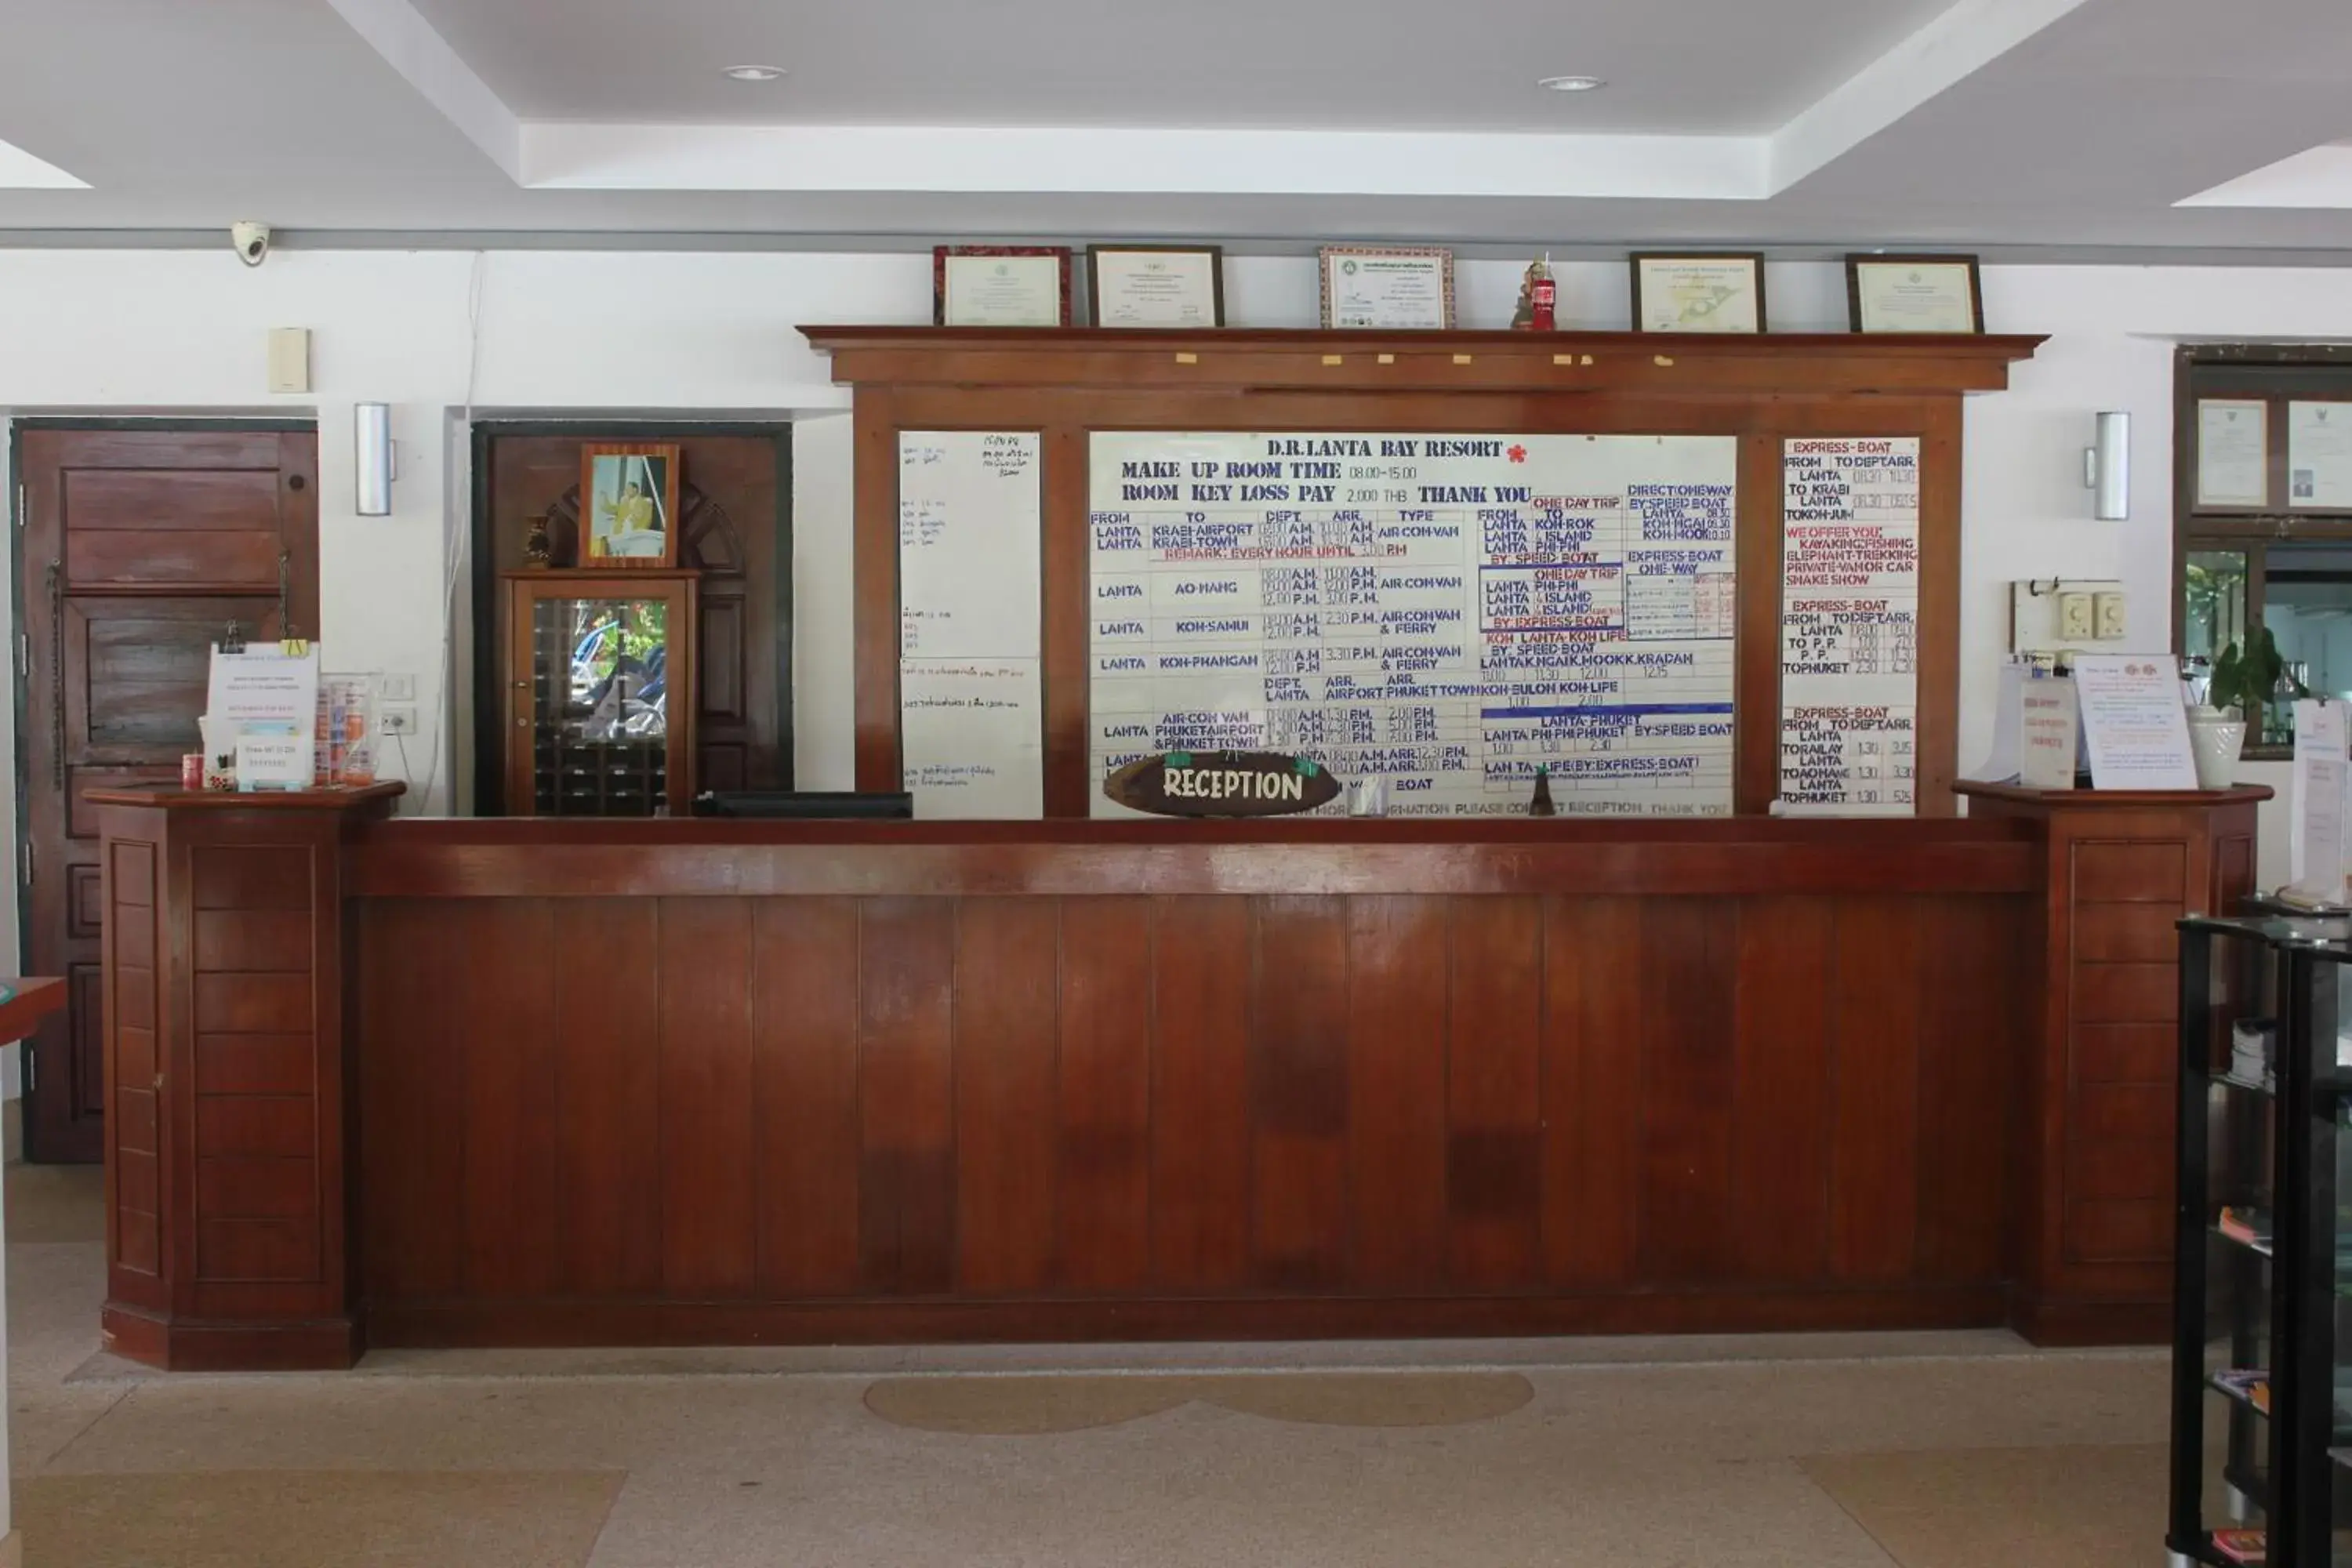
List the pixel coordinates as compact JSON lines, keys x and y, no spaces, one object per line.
{"x":1698,"y":365}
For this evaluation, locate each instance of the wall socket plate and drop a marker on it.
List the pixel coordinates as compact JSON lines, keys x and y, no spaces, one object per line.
{"x":397,"y":688}
{"x":399,"y":720}
{"x":2087,"y":614}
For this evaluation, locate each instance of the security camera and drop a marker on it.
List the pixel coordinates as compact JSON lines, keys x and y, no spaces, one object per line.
{"x":251,"y":240}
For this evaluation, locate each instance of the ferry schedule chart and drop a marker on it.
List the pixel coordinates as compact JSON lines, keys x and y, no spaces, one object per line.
{"x":1850,"y":627}
{"x":1444,"y":613}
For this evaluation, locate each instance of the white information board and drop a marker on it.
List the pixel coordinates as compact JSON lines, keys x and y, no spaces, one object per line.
{"x":971,"y":714}
{"x":1850,"y":627}
{"x":1443,"y":613}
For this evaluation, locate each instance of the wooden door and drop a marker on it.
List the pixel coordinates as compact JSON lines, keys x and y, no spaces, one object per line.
{"x":138,"y":546}
{"x":734,"y":515}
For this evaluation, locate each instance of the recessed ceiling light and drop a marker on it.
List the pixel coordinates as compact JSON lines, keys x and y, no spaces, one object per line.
{"x":1571,"y":83}
{"x":755,"y":73}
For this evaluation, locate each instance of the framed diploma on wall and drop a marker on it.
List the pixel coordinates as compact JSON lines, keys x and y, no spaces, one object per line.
{"x":2233,"y":453}
{"x":1405,"y":287}
{"x":1000,"y":286}
{"x":1914,"y":293}
{"x":1155,"y":286}
{"x":1698,"y":291}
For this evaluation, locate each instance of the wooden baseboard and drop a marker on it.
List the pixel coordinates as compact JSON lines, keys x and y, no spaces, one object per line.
{"x":2058,"y":1322}
{"x":515,"y":1324}
{"x":331,"y":1345}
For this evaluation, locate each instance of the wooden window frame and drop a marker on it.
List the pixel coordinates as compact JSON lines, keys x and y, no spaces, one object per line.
{"x":2275,"y":375}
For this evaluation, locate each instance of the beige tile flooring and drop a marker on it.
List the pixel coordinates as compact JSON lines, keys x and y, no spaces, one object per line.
{"x":1922,"y":1451}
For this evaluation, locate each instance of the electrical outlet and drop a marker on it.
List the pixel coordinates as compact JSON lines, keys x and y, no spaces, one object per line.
{"x":397,"y":688}
{"x":399,"y":721}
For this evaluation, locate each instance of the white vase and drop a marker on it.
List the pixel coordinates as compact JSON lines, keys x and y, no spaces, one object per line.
{"x":2216,"y":741}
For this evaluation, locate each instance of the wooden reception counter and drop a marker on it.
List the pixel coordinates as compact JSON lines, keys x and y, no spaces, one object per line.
{"x":507,"y":1082}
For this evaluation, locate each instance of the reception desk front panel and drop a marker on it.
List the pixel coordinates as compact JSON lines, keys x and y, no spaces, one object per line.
{"x":931,"y":1110}
{"x":669,"y":1082}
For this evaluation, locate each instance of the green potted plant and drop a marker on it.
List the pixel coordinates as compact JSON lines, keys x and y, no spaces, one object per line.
{"x":2245,"y":683}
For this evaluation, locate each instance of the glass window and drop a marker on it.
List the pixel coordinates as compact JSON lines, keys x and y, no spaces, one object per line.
{"x":2307,"y":605}
{"x":2214,"y":611}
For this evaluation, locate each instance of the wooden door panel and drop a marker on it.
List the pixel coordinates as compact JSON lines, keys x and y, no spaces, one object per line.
{"x":138,"y":547}
{"x":118,"y":558}
{"x":143,"y":665}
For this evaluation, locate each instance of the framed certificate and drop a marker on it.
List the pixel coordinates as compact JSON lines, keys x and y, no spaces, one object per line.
{"x":1698,"y":291}
{"x":2319,"y":457}
{"x":2233,"y":452}
{"x":1000,"y":286}
{"x":1155,"y":286}
{"x":1393,"y":286}
{"x":1914,"y":293}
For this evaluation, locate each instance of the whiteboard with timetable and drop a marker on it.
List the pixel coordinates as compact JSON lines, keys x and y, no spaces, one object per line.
{"x":1444,"y":612}
{"x":971,"y":705}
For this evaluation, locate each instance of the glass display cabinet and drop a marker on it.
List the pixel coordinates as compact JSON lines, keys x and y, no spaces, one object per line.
{"x":2262,"y":1434}
{"x":599,"y":693}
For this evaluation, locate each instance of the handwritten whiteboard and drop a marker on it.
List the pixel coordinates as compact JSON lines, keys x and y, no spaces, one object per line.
{"x":970,"y":711}
{"x":1444,"y":613}
{"x":1850,"y":627}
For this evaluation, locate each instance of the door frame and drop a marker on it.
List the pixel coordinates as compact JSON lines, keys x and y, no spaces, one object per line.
{"x":488,"y":733}
{"x":20,"y":662}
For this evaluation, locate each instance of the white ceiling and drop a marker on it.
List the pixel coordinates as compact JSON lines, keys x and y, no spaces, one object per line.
{"x":1987,"y":123}
{"x":1681,"y":65}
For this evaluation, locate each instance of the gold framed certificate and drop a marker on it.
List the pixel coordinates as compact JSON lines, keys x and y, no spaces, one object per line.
{"x":1698,"y":291}
{"x":1914,"y":293}
{"x":1155,"y":286}
{"x":1000,"y":286}
{"x":1403,"y":288}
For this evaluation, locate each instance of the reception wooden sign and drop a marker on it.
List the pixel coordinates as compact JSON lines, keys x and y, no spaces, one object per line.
{"x":1221,"y":784}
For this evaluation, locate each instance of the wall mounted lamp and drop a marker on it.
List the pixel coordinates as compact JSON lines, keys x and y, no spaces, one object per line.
{"x":2106,"y":468}
{"x":372,"y":460}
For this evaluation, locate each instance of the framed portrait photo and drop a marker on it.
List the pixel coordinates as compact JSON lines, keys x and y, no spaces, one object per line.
{"x":1000,"y":286}
{"x":1155,"y":286}
{"x":1914,"y":293}
{"x":628,"y":506}
{"x":1698,"y":291}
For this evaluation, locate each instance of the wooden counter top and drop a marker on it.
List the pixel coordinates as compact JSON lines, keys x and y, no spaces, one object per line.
{"x":2113,"y":799}
{"x":1724,"y":855}
{"x":258,"y":800}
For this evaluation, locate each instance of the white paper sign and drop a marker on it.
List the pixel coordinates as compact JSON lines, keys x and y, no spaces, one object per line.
{"x":2133,"y":722}
{"x":971,"y":738}
{"x":1444,"y":614}
{"x":969,"y":544}
{"x":2319,"y":454}
{"x":263,"y":685}
{"x":2233,"y":452}
{"x":2050,"y":721}
{"x":1850,"y":627}
{"x":271,"y":695}
{"x":2316,"y":800}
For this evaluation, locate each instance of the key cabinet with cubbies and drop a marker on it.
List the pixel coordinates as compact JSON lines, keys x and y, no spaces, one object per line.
{"x":599,"y":693}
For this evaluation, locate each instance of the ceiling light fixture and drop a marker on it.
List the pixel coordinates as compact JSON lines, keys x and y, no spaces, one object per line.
{"x":754,"y":73}
{"x":1571,"y":83}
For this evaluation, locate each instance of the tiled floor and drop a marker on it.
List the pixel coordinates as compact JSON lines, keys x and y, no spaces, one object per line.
{"x":1925,"y":1451}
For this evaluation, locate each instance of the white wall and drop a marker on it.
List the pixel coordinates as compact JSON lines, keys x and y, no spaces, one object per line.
{"x":439,"y":333}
